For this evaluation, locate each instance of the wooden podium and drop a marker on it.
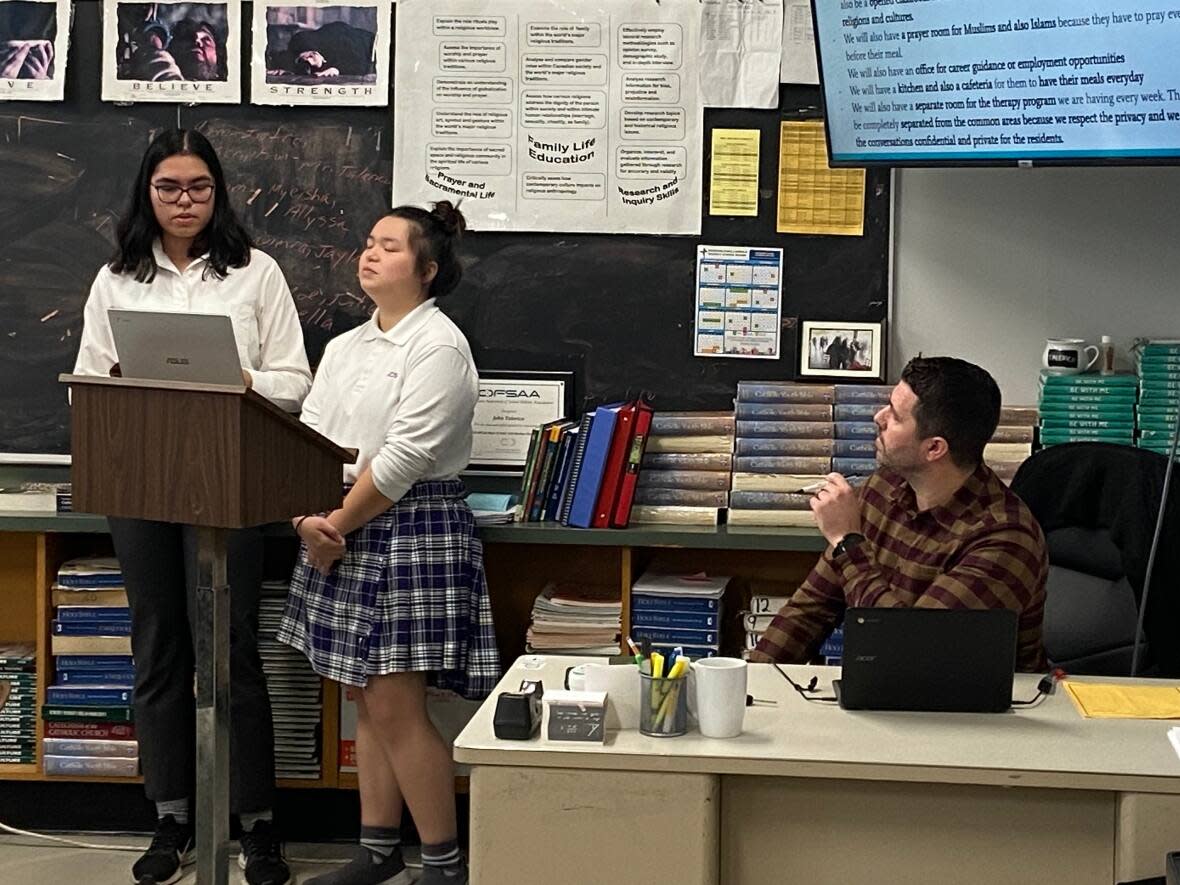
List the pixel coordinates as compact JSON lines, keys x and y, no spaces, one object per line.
{"x":218,"y":458}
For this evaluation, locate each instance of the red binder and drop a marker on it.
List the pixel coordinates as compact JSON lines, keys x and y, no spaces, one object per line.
{"x":616,"y":462}
{"x":621,"y":513}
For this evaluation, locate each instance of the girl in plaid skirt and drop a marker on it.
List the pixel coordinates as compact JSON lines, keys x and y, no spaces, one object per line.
{"x":389,"y":593}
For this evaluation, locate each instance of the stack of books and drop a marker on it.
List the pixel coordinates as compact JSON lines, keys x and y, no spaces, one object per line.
{"x":576,"y":619}
{"x":18,"y":703}
{"x":686,"y":469}
{"x":1158,"y":366}
{"x":88,"y":709}
{"x":784,"y":444}
{"x":30,"y":497}
{"x":1088,"y":408}
{"x":583,"y":474}
{"x":296,"y":692}
{"x":490,"y":508}
{"x":856,"y":431}
{"x":1012,"y":442}
{"x":671,"y":611}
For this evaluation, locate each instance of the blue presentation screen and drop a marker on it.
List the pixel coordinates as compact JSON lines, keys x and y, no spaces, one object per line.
{"x":966,"y":81}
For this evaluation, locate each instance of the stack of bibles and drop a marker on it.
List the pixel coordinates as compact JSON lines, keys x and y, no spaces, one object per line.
{"x":1012,"y":442}
{"x":685,"y":472}
{"x":584,"y":473}
{"x":1158,"y":367}
{"x":1088,"y":408}
{"x":570,"y":618}
{"x":678,"y":611}
{"x":296,"y":692}
{"x":856,"y":408}
{"x":784,"y":445}
{"x":18,"y":703}
{"x":89,"y":720}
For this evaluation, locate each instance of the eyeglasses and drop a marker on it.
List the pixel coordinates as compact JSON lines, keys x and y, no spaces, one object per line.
{"x":170,"y":193}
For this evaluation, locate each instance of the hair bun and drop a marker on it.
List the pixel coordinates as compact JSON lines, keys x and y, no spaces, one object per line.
{"x":449,"y":217}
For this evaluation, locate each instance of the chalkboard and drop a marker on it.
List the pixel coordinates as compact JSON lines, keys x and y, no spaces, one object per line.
{"x":309,"y":182}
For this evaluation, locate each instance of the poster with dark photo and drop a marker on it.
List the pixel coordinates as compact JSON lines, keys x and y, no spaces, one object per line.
{"x":835,"y":349}
{"x":34,"y":39}
{"x":171,"y":51}
{"x":327,"y":53}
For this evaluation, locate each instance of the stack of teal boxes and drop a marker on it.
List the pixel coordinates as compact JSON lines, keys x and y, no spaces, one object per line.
{"x":1088,"y":408}
{"x":1158,"y":365}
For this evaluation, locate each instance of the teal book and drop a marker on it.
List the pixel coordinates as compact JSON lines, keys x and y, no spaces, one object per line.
{"x":1099,"y":395}
{"x":1054,"y":423}
{"x":1116,"y":435}
{"x":1092,"y":410}
{"x":1119,"y":379}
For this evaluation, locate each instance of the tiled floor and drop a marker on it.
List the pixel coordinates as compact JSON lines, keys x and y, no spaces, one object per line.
{"x":25,"y":861}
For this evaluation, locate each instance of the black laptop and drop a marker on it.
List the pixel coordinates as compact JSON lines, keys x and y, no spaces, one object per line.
{"x":947,"y":660}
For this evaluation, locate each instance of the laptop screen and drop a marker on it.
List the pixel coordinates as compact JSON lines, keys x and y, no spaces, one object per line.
{"x":162,"y":346}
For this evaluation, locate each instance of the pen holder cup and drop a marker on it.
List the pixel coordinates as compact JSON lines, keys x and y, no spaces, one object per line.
{"x":663,"y":706}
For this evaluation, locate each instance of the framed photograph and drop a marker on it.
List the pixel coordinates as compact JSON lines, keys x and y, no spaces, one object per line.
{"x":34,"y":39}
{"x":837,"y":349}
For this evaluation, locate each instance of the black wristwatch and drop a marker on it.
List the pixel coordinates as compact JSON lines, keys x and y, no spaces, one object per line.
{"x":847,"y":543}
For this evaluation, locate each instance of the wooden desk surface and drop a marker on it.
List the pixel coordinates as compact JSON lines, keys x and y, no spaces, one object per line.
{"x":1050,"y":745}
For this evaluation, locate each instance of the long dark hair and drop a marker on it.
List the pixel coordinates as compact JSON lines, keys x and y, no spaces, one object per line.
{"x":434,"y":236}
{"x":223,"y":237}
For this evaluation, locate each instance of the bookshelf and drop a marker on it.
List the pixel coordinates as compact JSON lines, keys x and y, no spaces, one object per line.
{"x":519,"y":559}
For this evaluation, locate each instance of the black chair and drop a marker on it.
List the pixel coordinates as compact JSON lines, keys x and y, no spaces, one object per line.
{"x":1097,"y":504}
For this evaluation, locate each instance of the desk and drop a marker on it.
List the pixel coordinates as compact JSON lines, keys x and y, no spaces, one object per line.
{"x":814,"y":794}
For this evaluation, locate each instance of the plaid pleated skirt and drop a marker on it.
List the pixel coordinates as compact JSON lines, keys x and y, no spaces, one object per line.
{"x":409,"y":596}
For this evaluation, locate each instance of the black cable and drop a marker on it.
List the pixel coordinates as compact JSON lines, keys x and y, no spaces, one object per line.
{"x":806,"y":692}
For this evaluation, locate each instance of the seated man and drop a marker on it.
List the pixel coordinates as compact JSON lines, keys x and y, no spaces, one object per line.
{"x":932,"y":528}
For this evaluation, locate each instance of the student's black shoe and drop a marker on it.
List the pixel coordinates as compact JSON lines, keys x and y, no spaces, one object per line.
{"x":171,"y":849}
{"x":261,"y":858}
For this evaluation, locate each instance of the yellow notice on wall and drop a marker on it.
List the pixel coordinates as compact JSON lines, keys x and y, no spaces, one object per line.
{"x":813,"y":199}
{"x":734,"y":172}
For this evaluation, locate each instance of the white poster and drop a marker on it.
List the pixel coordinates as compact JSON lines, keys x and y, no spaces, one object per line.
{"x":741,"y":53}
{"x":169,"y":51}
{"x":799,"y":64}
{"x":34,"y":43}
{"x":549,"y":116}
{"x":329,"y":52}
{"x":739,"y":306}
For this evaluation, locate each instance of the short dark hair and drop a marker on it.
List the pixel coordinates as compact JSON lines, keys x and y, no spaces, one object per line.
{"x":958,"y":401}
{"x":435,"y":236}
{"x":223,"y":238}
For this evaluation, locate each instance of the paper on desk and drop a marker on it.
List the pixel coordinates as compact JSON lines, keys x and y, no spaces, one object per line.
{"x":741,"y":51}
{"x":1096,"y":700}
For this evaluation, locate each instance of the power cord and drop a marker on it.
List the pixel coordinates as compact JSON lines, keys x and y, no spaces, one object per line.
{"x":1046,"y":687}
{"x":806,"y":693}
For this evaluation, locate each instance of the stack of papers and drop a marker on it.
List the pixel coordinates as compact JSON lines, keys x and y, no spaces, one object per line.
{"x":1096,"y":700}
{"x":492,"y":509}
{"x":576,"y":619}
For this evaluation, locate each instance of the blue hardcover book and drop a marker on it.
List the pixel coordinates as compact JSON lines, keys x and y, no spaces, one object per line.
{"x":90,"y":695}
{"x":787,"y":429}
{"x":856,"y":411}
{"x":856,"y":430}
{"x":862,"y":393}
{"x":92,"y":613}
{"x":833,"y":646}
{"x":854,"y":466}
{"x":673,"y":636}
{"x":779,"y":445}
{"x":561,"y":470}
{"x":92,"y":628}
{"x":807,"y":466}
{"x":784,"y":411}
{"x":585,"y":495}
{"x":579,"y":455}
{"x":95,"y":677}
{"x":677,"y":620}
{"x":646,"y":602}
{"x":95,"y":662}
{"x":855,"y":448}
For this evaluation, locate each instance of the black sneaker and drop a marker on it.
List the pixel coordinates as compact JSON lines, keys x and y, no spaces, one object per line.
{"x":261,"y":857}
{"x":171,"y":849}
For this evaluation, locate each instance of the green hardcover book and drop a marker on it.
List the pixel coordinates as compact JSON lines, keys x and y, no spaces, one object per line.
{"x":1160,"y":433}
{"x":1119,"y":379}
{"x":61,"y":713}
{"x":1049,"y":399}
{"x":1115,"y":411}
{"x":1053,"y":423}
{"x":1119,"y":436}
{"x":1148,"y":374}
{"x":1067,"y":391}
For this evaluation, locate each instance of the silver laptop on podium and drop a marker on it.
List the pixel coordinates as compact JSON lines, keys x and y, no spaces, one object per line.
{"x":160,"y":346}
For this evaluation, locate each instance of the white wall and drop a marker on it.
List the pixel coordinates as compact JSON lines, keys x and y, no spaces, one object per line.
{"x":990,"y":262}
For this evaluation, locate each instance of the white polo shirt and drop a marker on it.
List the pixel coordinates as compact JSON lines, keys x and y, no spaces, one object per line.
{"x":255,"y":297}
{"x":404,"y":399}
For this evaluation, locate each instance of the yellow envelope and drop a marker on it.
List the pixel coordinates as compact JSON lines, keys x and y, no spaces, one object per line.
{"x":1096,"y":700}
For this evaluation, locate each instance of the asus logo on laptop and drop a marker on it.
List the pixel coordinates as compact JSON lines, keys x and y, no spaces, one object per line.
{"x":176,"y":361}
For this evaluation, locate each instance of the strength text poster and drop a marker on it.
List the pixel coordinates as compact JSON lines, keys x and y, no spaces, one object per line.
{"x":331,"y":52}
{"x":176,"y":52}
{"x":546,"y":117}
{"x":34,"y":39}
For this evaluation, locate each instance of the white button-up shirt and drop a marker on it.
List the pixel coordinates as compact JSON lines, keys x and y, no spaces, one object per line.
{"x":255,"y":297}
{"x":404,"y":399}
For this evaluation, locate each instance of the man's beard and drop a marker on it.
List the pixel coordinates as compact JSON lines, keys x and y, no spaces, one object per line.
{"x":197,"y":68}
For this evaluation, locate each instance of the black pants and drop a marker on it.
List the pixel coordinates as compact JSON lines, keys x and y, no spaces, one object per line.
{"x":159,"y":562}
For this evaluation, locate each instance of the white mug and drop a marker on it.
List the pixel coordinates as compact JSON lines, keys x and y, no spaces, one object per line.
{"x":1063,"y":356}
{"x":621,"y":684}
{"x":719,"y":692}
